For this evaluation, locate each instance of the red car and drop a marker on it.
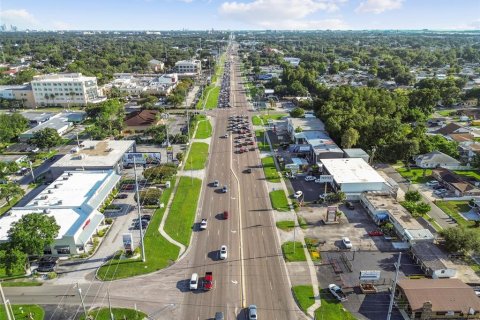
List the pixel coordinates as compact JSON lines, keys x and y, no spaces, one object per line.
{"x":375,"y":233}
{"x":225,"y":215}
{"x":208,"y":281}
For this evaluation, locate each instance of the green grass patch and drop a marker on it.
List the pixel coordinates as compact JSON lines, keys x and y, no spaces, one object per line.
{"x":118,"y":313}
{"x":182,"y":212}
{"x":154,"y":243}
{"x":312,"y":245}
{"x":302,"y":222}
{"x":279,"y":200}
{"x":293,"y":255}
{"x":6,"y":207}
{"x":21,"y":284}
{"x":447,"y":113}
{"x":261,"y":142}
{"x":331,"y":309}
{"x":212,"y":98}
{"x":468,"y":174}
{"x":24,"y":311}
{"x":415,"y":175}
{"x":197,"y":157}
{"x":286,"y":225}
{"x":270,"y":170}
{"x":257,"y":121}
{"x":304,"y":297}
{"x":453,"y":208}
{"x":201,"y":101}
{"x":204,"y":130}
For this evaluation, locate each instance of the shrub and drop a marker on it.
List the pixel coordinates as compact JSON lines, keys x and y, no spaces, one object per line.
{"x":51,"y":275}
{"x":108,"y":221}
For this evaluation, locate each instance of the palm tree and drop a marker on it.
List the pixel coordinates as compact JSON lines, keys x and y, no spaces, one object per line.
{"x":47,"y":97}
{"x":11,"y":190}
{"x":52,"y":96}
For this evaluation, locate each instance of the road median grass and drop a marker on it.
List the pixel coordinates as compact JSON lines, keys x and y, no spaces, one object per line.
{"x":118,"y":268}
{"x":304,"y":296}
{"x":197,"y":157}
{"x":257,"y":121}
{"x":204,"y":130}
{"x":262,"y":145}
{"x":118,"y":313}
{"x":212,"y":99}
{"x":331,"y":309}
{"x":23,"y":311}
{"x":279,"y":200}
{"x":182,"y":211}
{"x":286,"y":225}
{"x":21,"y":283}
{"x":293,"y":255}
{"x":270,"y":170}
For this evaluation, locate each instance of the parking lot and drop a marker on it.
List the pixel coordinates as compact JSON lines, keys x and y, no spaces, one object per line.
{"x":311,"y":190}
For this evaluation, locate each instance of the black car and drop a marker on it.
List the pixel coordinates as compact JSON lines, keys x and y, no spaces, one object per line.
{"x":46,"y":267}
{"x":122,"y":196}
{"x":249,"y":170}
{"x":137,"y":224}
{"x":349,"y":205}
{"x":146,"y":217}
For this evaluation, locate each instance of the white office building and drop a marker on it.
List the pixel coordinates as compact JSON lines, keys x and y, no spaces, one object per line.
{"x":73,"y":200}
{"x":188,"y":66}
{"x":65,"y":89}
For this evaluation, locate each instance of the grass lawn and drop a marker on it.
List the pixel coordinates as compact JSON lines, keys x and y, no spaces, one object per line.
{"x":331,"y":309}
{"x":204,"y":130}
{"x":7,"y":206}
{"x":279,"y":200}
{"x":21,"y":283}
{"x":263,"y":146}
{"x":302,"y":222}
{"x":257,"y":121}
{"x":197,"y":157}
{"x":415,"y":175}
{"x":22,"y":311}
{"x":118,"y":313}
{"x":270,"y":170}
{"x":212,"y":99}
{"x":468,"y":173}
{"x":182,"y":212}
{"x":154,"y":243}
{"x":286,"y":225}
{"x":312,"y":245}
{"x":298,"y":255}
{"x":446,"y":113}
{"x":200,"y":102}
{"x":304,"y":296}
{"x":453,"y":208}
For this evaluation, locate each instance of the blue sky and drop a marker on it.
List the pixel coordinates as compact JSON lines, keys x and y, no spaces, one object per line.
{"x":240,"y":14}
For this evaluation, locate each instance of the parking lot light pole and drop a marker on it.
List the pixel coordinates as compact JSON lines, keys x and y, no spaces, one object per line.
{"x":81,"y":299}
{"x":138,"y":210}
{"x":31,"y":171}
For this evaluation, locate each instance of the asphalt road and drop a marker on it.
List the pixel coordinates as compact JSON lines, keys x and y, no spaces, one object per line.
{"x":254,"y":272}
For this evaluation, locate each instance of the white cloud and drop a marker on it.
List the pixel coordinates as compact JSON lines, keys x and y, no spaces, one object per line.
{"x":379,"y":6}
{"x":282,"y":14}
{"x":18,"y":17}
{"x":61,"y":25}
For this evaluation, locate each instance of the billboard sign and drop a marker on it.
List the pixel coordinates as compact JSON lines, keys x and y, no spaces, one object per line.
{"x":141,"y":157}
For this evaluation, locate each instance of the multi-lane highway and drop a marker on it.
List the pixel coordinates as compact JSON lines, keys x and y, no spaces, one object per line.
{"x":254,"y":272}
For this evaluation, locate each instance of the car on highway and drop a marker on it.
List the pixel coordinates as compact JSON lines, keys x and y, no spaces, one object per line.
{"x":216,"y":183}
{"x":298,"y":194}
{"x":208,"y":281}
{"x":248,"y":170}
{"x":252,"y":312}
{"x":309,"y":178}
{"x":347,"y":243}
{"x":223,"y":253}
{"x":224,"y":189}
{"x":225,"y":215}
{"x":337,"y":292}
{"x":203,"y":224}
{"x":219,"y":316}
{"x":194,"y":281}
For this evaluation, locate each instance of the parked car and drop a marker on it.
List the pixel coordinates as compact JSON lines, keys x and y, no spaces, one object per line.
{"x":337,"y":292}
{"x":248,"y":170}
{"x":375,"y":233}
{"x":223,"y":252}
{"x":309,"y":178}
{"x":194,"y":281}
{"x":349,"y":205}
{"x":203,"y":224}
{"x":432,"y":183}
{"x":146,"y":217}
{"x":122,"y":196}
{"x":298,"y":194}
{"x":252,"y":312}
{"x":439,"y":192}
{"x":347,"y":243}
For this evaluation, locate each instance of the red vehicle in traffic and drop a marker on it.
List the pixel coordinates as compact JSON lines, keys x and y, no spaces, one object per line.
{"x":208,"y":281}
{"x":375,"y":233}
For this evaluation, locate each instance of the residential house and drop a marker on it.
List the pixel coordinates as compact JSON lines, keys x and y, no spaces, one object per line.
{"x":432,"y":260}
{"x":156,"y":65}
{"x":436,"y":159}
{"x":455,"y":183}
{"x":436,"y":299}
{"x":451,"y":128}
{"x":462,"y":137}
{"x":468,"y":150}
{"x":140,"y":121}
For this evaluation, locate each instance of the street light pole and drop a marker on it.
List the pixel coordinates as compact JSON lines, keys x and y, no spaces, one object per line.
{"x":7,"y":311}
{"x":81,"y":299}
{"x":138,"y":210}
{"x":31,"y":171}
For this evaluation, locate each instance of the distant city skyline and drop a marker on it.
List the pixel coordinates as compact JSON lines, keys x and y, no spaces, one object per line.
{"x":241,"y":14}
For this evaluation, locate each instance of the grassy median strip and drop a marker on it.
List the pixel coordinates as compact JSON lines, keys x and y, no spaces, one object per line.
{"x":279,"y":200}
{"x":286,"y":225}
{"x":331,"y":309}
{"x":293,"y":255}
{"x":212,"y":99}
{"x":21,"y":283}
{"x":204,"y":130}
{"x":304,"y":297}
{"x":257,"y":121}
{"x":197,"y":157}
{"x":118,"y":268}
{"x":118,"y":313}
{"x":22,"y":311}
{"x":182,"y":212}
{"x":270,"y":170}
{"x":261,"y":141}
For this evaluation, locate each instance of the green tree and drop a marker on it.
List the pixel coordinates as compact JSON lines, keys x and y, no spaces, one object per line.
{"x":7,"y":168}
{"x":11,"y":190}
{"x":350,"y":138}
{"x":423,"y":208}
{"x":297,"y":113}
{"x":150,"y":196}
{"x":33,"y":233}
{"x":46,"y":138}
{"x":179,"y":156}
{"x":160,"y":172}
{"x":460,"y":239}
{"x":413,"y":196}
{"x":11,"y":125}
{"x":410,"y":206}
{"x":13,"y":260}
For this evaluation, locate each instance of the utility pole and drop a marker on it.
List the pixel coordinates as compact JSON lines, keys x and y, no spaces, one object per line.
{"x":7,"y":311}
{"x":81,"y":299}
{"x":31,"y":171}
{"x":138,"y":209}
{"x":392,"y":296}
{"x":110,"y":305}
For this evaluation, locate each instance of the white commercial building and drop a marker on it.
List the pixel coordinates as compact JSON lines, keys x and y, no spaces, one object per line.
{"x":353,"y":176}
{"x":59,"y":122}
{"x":94,"y":155}
{"x":65,"y":89}
{"x":22,"y":93}
{"x":293,"y":61}
{"x":73,"y":200}
{"x":188,"y":66}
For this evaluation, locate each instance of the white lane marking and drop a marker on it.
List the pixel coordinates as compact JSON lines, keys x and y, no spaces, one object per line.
{"x":271,"y":287}
{"x":218,"y":232}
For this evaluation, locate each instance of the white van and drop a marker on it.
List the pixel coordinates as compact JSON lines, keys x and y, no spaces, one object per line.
{"x":194,"y":282}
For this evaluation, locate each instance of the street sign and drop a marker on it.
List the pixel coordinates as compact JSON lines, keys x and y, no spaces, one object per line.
{"x":326,"y":178}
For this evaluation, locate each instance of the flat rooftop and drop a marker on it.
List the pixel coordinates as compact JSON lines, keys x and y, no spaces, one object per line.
{"x":351,"y":170}
{"x":57,"y":122}
{"x":37,"y":116}
{"x":307,"y":124}
{"x":94,"y":153}
{"x":70,"y":199}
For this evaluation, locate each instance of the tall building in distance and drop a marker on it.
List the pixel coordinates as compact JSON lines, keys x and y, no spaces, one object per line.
{"x":65,"y":89}
{"x":188,"y":66}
